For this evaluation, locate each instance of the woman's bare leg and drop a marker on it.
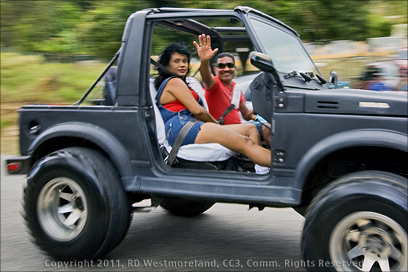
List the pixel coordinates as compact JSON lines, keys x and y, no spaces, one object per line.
{"x":246,"y":129}
{"x":213,"y":133}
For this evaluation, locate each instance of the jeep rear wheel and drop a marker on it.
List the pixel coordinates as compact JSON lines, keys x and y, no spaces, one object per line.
{"x":185,"y":207}
{"x":75,"y":206}
{"x":358,"y":223}
{"x":62,"y":209}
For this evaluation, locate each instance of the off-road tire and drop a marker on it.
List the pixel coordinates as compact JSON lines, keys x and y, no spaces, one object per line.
{"x":185,"y":207}
{"x":75,"y":206}
{"x":358,"y":223}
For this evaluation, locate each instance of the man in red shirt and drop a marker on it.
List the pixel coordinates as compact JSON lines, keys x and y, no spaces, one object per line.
{"x":219,"y":89}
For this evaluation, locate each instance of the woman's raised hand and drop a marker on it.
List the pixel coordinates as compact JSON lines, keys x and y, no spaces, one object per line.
{"x":204,"y":50}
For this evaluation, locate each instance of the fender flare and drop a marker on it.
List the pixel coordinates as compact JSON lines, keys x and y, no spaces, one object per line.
{"x":97,"y":135}
{"x":347,"y":139}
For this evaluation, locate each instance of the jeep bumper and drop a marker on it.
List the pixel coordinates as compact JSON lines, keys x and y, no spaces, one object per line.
{"x":18,"y":165}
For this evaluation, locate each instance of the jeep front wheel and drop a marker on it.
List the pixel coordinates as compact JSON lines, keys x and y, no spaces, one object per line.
{"x":75,"y":206}
{"x":358,"y":223}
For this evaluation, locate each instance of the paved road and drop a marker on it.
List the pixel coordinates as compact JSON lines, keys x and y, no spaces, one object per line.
{"x":226,"y":237}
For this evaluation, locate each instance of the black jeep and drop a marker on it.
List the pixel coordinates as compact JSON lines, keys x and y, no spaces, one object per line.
{"x":339,"y":155}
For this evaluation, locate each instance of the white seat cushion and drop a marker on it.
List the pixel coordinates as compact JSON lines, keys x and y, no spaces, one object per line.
{"x":193,"y":152}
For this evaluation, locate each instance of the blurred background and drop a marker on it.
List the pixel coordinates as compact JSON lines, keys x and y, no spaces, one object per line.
{"x":52,"y":51}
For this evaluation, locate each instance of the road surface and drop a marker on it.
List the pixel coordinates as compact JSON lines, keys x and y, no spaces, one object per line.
{"x":227,"y":237}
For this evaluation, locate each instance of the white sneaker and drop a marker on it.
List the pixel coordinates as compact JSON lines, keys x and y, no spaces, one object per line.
{"x":261,"y":170}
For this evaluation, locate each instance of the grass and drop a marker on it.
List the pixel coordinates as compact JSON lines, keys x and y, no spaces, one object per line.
{"x":28,"y":79}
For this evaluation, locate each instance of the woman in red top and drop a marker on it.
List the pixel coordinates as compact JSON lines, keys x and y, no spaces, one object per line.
{"x":178,"y":104}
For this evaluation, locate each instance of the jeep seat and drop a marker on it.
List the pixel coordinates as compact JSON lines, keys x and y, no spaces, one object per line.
{"x":211,"y":152}
{"x":109,"y":90}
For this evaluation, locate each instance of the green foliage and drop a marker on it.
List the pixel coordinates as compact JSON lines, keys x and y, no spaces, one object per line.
{"x":379,"y":27}
{"x":323,"y":20}
{"x":102,"y":27}
{"x":379,"y":24}
{"x":95,"y":27}
{"x":47,"y":26}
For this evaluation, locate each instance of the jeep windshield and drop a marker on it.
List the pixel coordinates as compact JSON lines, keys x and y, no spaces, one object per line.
{"x":284,"y":48}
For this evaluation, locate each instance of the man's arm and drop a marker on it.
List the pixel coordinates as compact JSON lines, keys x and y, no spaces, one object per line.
{"x":206,"y":75}
{"x":205,"y":53}
{"x":246,"y":113}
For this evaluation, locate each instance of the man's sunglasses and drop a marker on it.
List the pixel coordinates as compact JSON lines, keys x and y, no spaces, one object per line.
{"x":223,"y":65}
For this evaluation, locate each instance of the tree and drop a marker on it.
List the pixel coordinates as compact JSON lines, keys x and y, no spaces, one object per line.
{"x":325,"y":20}
{"x":102,"y":27}
{"x":11,"y":14}
{"x":41,"y":26}
{"x":95,"y":27}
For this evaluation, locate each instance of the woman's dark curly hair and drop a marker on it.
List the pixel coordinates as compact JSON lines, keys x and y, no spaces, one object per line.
{"x":165,"y":57}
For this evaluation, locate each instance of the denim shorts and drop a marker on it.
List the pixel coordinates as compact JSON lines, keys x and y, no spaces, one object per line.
{"x":176,"y":123}
{"x":259,"y":128}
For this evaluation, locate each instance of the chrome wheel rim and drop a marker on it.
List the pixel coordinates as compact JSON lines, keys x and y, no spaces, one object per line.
{"x":62,"y":209}
{"x":368,"y":241}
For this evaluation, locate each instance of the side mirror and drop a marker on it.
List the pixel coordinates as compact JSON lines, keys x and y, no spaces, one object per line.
{"x":334,"y":79}
{"x":264,"y":63}
{"x":261,"y":61}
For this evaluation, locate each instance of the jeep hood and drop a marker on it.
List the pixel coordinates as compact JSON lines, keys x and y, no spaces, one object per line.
{"x":360,"y":102}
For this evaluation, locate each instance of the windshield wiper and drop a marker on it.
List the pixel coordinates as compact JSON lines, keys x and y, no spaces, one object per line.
{"x":307,"y":76}
{"x":291,"y":74}
{"x":312,"y":75}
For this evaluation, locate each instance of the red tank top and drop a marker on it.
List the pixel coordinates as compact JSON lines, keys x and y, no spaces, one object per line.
{"x":176,"y":105}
